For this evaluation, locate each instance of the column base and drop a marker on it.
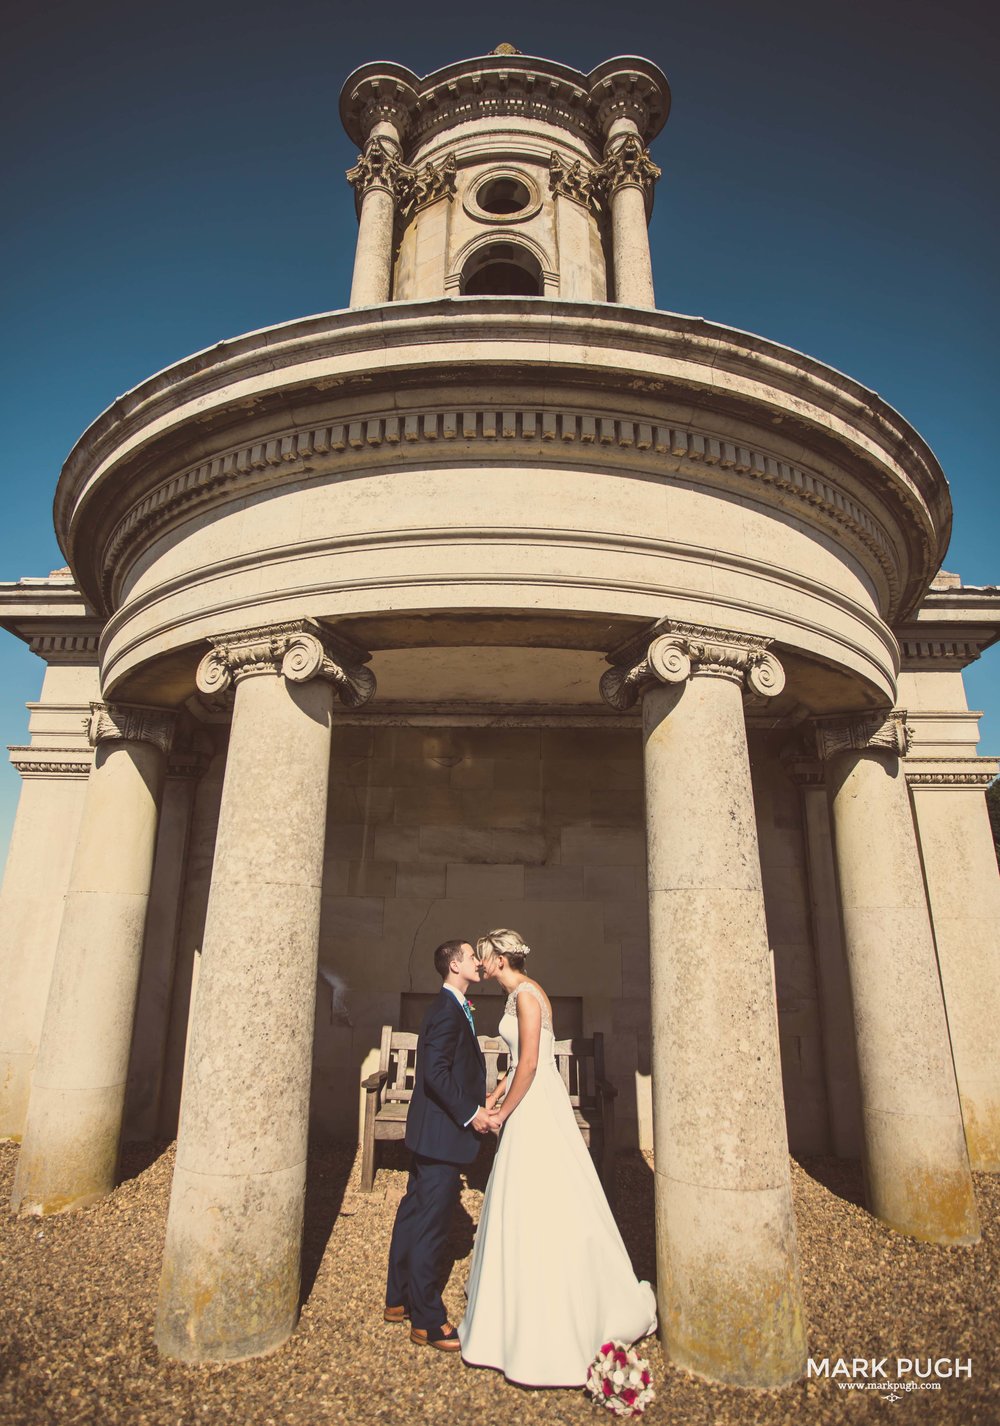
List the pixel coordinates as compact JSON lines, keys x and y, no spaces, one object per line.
{"x":729,"y":1290}
{"x":981,"y":1116}
{"x":918,"y":1177}
{"x":230,"y":1283}
{"x":69,"y":1157}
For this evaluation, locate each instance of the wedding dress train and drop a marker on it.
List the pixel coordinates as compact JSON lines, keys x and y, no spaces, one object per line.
{"x":551,"y":1279}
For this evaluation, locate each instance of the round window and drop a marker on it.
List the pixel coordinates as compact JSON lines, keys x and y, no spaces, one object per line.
{"x":503,"y":197}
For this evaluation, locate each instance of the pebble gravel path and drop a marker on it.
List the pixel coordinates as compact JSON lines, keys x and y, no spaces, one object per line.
{"x":78,"y":1295}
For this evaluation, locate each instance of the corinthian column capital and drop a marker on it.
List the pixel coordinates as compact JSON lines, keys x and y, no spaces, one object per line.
{"x":298,"y":651}
{"x":379,"y":166}
{"x":627,"y":164}
{"x":862,"y":733}
{"x":126,"y":722}
{"x":673,"y":652}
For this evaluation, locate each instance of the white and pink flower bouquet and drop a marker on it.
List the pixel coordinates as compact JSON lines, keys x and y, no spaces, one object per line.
{"x":621,"y":1380}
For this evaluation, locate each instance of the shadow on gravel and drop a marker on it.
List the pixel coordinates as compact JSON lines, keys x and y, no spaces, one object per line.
{"x":635,"y":1214}
{"x":327,"y":1174}
{"x":843,"y":1177}
{"x":135,"y":1159}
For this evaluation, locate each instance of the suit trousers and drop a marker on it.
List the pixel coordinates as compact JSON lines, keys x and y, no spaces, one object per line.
{"x":418,"y":1238}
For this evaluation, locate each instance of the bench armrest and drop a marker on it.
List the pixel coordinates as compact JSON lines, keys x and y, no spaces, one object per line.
{"x":374,"y":1082}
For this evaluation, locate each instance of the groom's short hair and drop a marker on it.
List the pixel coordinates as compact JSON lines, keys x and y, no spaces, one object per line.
{"x":446,"y":953}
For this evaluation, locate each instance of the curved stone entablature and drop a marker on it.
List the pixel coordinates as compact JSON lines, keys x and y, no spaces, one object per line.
{"x":359,"y":462}
{"x":504,"y":85}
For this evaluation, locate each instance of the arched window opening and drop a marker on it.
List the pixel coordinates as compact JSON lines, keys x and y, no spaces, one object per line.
{"x":502,"y":270}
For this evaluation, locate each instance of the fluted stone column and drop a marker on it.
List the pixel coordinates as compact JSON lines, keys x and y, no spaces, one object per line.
{"x":917,"y":1165}
{"x":230,"y":1282}
{"x":728,"y":1278}
{"x":960,"y":871}
{"x":626,"y":177}
{"x":379,"y":178}
{"x":69,"y":1154}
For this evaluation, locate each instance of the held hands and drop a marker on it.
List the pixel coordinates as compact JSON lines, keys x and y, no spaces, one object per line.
{"x":487,"y":1121}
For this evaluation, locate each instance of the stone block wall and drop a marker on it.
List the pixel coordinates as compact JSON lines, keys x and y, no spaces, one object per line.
{"x":441,"y":832}
{"x":436,"y":833}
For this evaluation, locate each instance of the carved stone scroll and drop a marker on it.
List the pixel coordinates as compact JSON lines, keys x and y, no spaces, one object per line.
{"x":427,"y":185}
{"x":573,"y":180}
{"x":673,"y":651}
{"x":298,"y":651}
{"x":863,"y":732}
{"x":128,"y":722}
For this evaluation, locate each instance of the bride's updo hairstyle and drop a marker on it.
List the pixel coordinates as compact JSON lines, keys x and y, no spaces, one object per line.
{"x":503,"y":943}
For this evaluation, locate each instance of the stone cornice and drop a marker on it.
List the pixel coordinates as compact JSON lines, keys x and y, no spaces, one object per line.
{"x":951,"y":772}
{"x":862,"y":732}
{"x":656,"y":356}
{"x":59,"y":763}
{"x":673,"y":652}
{"x":563,"y":431}
{"x":506,"y":84}
{"x":126,"y":722}
{"x":298,"y":651}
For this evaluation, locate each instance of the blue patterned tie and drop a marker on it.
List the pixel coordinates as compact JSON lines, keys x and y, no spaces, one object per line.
{"x":468,"y":1016}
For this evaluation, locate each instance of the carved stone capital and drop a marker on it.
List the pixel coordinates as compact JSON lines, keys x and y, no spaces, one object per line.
{"x":126,"y":722}
{"x":573,"y":180}
{"x":426,"y":185}
{"x":673,"y":652}
{"x":297,"y":651}
{"x":862,"y":733}
{"x":627,"y":164}
{"x":379,"y":167}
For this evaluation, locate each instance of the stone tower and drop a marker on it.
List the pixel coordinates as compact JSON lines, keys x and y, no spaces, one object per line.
{"x":506,"y":176}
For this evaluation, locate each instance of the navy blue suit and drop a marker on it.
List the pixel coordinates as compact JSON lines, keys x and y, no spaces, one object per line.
{"x":449,"y":1086}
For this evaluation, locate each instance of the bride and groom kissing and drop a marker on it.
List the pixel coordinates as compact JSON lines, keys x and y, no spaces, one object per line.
{"x":550,"y":1279}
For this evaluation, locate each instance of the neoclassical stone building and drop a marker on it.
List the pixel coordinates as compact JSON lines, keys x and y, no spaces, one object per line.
{"x":502,"y":597}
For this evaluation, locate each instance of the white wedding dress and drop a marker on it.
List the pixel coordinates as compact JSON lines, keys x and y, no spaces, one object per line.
{"x":551,"y":1279}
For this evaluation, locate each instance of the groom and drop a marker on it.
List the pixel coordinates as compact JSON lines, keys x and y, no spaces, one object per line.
{"x":446,"y":1114}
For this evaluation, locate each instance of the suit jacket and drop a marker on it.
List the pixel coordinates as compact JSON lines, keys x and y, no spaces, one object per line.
{"x":449,"y":1085}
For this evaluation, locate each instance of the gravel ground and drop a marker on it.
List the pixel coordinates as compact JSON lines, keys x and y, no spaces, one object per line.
{"x":78,"y":1293}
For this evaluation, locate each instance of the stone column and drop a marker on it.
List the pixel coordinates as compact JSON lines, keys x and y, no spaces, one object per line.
{"x":728,"y":1277}
{"x":379,"y":179}
{"x":626,"y":177}
{"x":31,"y":903}
{"x":230,"y":1282}
{"x":69,"y":1154}
{"x":837,"y":1015}
{"x":159,"y":954}
{"x":917,"y":1165}
{"x":960,"y":871}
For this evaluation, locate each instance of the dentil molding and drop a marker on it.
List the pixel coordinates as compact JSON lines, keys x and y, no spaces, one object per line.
{"x":324,"y":447}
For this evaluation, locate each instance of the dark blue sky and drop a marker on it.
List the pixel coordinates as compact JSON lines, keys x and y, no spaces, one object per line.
{"x":173,"y":175}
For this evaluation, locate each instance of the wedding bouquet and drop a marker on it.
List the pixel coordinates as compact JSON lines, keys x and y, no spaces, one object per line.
{"x":621,"y":1380}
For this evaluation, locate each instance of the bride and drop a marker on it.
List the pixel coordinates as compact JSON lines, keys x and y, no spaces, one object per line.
{"x":551,"y":1279}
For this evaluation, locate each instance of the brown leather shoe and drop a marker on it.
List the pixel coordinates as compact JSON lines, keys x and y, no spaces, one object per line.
{"x":395,"y":1314}
{"x":443,"y":1338}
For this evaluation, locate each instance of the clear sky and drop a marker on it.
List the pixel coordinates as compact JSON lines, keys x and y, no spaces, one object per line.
{"x":173,"y":175}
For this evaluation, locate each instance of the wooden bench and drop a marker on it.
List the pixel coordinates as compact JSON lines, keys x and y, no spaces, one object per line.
{"x":581,"y":1064}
